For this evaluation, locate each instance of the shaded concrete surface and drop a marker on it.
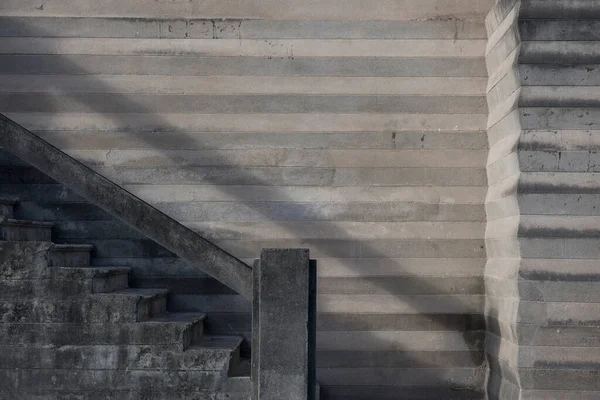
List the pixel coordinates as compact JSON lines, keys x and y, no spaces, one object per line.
{"x":541,"y":236}
{"x":401,"y":306}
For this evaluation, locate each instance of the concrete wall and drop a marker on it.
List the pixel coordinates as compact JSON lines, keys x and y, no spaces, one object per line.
{"x":542,"y":233}
{"x":355,"y":130}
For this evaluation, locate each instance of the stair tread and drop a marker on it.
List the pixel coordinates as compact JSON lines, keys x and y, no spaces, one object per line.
{"x":217,"y":342}
{"x":7,"y":201}
{"x":177,"y":317}
{"x":136,"y":292}
{"x":72,"y":247}
{"x":21,"y":222}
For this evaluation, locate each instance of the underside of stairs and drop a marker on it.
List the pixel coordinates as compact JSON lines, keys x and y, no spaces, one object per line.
{"x":72,"y":330}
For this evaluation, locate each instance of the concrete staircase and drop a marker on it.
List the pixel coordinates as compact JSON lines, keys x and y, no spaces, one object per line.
{"x":72,"y":330}
{"x":542,"y":280}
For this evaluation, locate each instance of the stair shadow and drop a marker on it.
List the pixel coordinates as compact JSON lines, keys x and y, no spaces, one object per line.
{"x":471,"y":331}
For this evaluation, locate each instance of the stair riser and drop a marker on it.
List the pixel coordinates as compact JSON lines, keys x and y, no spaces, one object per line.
{"x":148,"y":308}
{"x":61,"y":289}
{"x":560,"y":9}
{"x":193,"y":334}
{"x":67,"y":259}
{"x":136,"y":394}
{"x":108,"y":310}
{"x":110,"y":283}
{"x":26,"y":233}
{"x":92,"y":334}
{"x":133,"y":357}
{"x":6,"y":210}
{"x":45,"y":380}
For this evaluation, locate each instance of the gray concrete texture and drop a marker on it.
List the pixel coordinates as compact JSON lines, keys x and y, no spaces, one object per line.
{"x":354,"y":130}
{"x":541,"y":235}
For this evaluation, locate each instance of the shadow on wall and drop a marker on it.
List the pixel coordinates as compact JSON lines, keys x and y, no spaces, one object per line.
{"x":431,"y":365}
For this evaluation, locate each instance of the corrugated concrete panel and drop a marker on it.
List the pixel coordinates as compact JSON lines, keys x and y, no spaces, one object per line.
{"x":357,"y":131}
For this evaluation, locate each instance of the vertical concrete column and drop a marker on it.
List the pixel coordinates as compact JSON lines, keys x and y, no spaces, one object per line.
{"x":284,"y":326}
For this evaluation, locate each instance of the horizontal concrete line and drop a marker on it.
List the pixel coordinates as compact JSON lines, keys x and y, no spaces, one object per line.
{"x":375,"y":194}
{"x":559,"y":226}
{"x":348,"y":304}
{"x":286,"y":176}
{"x":287,"y":230}
{"x":336,"y":230}
{"x":316,"y":158}
{"x":246,"y":214}
{"x":560,"y":96}
{"x":560,"y":182}
{"x":287,"y":48}
{"x":300,"y":194}
{"x":405,"y":286}
{"x":411,"y":267}
{"x":543,"y":9}
{"x":270,"y":9}
{"x":239,"y":104}
{"x":560,"y":118}
{"x":585,"y":161}
{"x":398,"y":377}
{"x":100,"y":140}
{"x":563,"y":75}
{"x":368,"y":392}
{"x":241,"y":66}
{"x":239,"y":28}
{"x":399,"y":359}
{"x":223,"y":85}
{"x":560,"y":52}
{"x":466,"y":323}
{"x":157,"y":122}
{"x":558,"y":204}
{"x":398,"y":341}
{"x":561,"y":140}
{"x":559,"y":30}
{"x":465,"y":248}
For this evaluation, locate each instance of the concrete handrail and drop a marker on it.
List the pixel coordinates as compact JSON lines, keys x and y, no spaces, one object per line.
{"x":126,"y":207}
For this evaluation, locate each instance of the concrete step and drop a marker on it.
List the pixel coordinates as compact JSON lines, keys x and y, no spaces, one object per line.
{"x":560,"y":9}
{"x":7,"y":207}
{"x":560,"y":52}
{"x":125,"y":306}
{"x":559,"y":29}
{"x":559,"y":96}
{"x":240,"y":66}
{"x":193,"y":322}
{"x":66,"y":283}
{"x":150,"y":302}
{"x":21,"y":230}
{"x":559,"y":183}
{"x":103,"y":393}
{"x":70,"y":255}
{"x":46,"y":381}
{"x":561,"y":75}
{"x":223,"y":350}
{"x":387,"y":392}
{"x":180,"y":332}
{"x":112,"y":357}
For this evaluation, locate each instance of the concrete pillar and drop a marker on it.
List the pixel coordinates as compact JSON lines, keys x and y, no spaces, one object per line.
{"x":283,"y":336}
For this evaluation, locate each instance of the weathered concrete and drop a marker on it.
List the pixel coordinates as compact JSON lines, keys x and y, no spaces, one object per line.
{"x":70,"y":329}
{"x":126,"y":207}
{"x":283,"y":325}
{"x":541,"y":236}
{"x":357,"y":131}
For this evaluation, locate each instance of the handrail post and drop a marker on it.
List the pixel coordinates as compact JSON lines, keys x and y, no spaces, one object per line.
{"x":284,"y":325}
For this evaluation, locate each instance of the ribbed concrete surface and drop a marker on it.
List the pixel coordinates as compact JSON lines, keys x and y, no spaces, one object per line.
{"x":542,"y":232}
{"x":357,"y":131}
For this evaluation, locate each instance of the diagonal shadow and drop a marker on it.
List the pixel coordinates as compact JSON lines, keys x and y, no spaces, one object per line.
{"x":470,"y":327}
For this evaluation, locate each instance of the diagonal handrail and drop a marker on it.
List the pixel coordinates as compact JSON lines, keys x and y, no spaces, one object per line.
{"x":126,"y":207}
